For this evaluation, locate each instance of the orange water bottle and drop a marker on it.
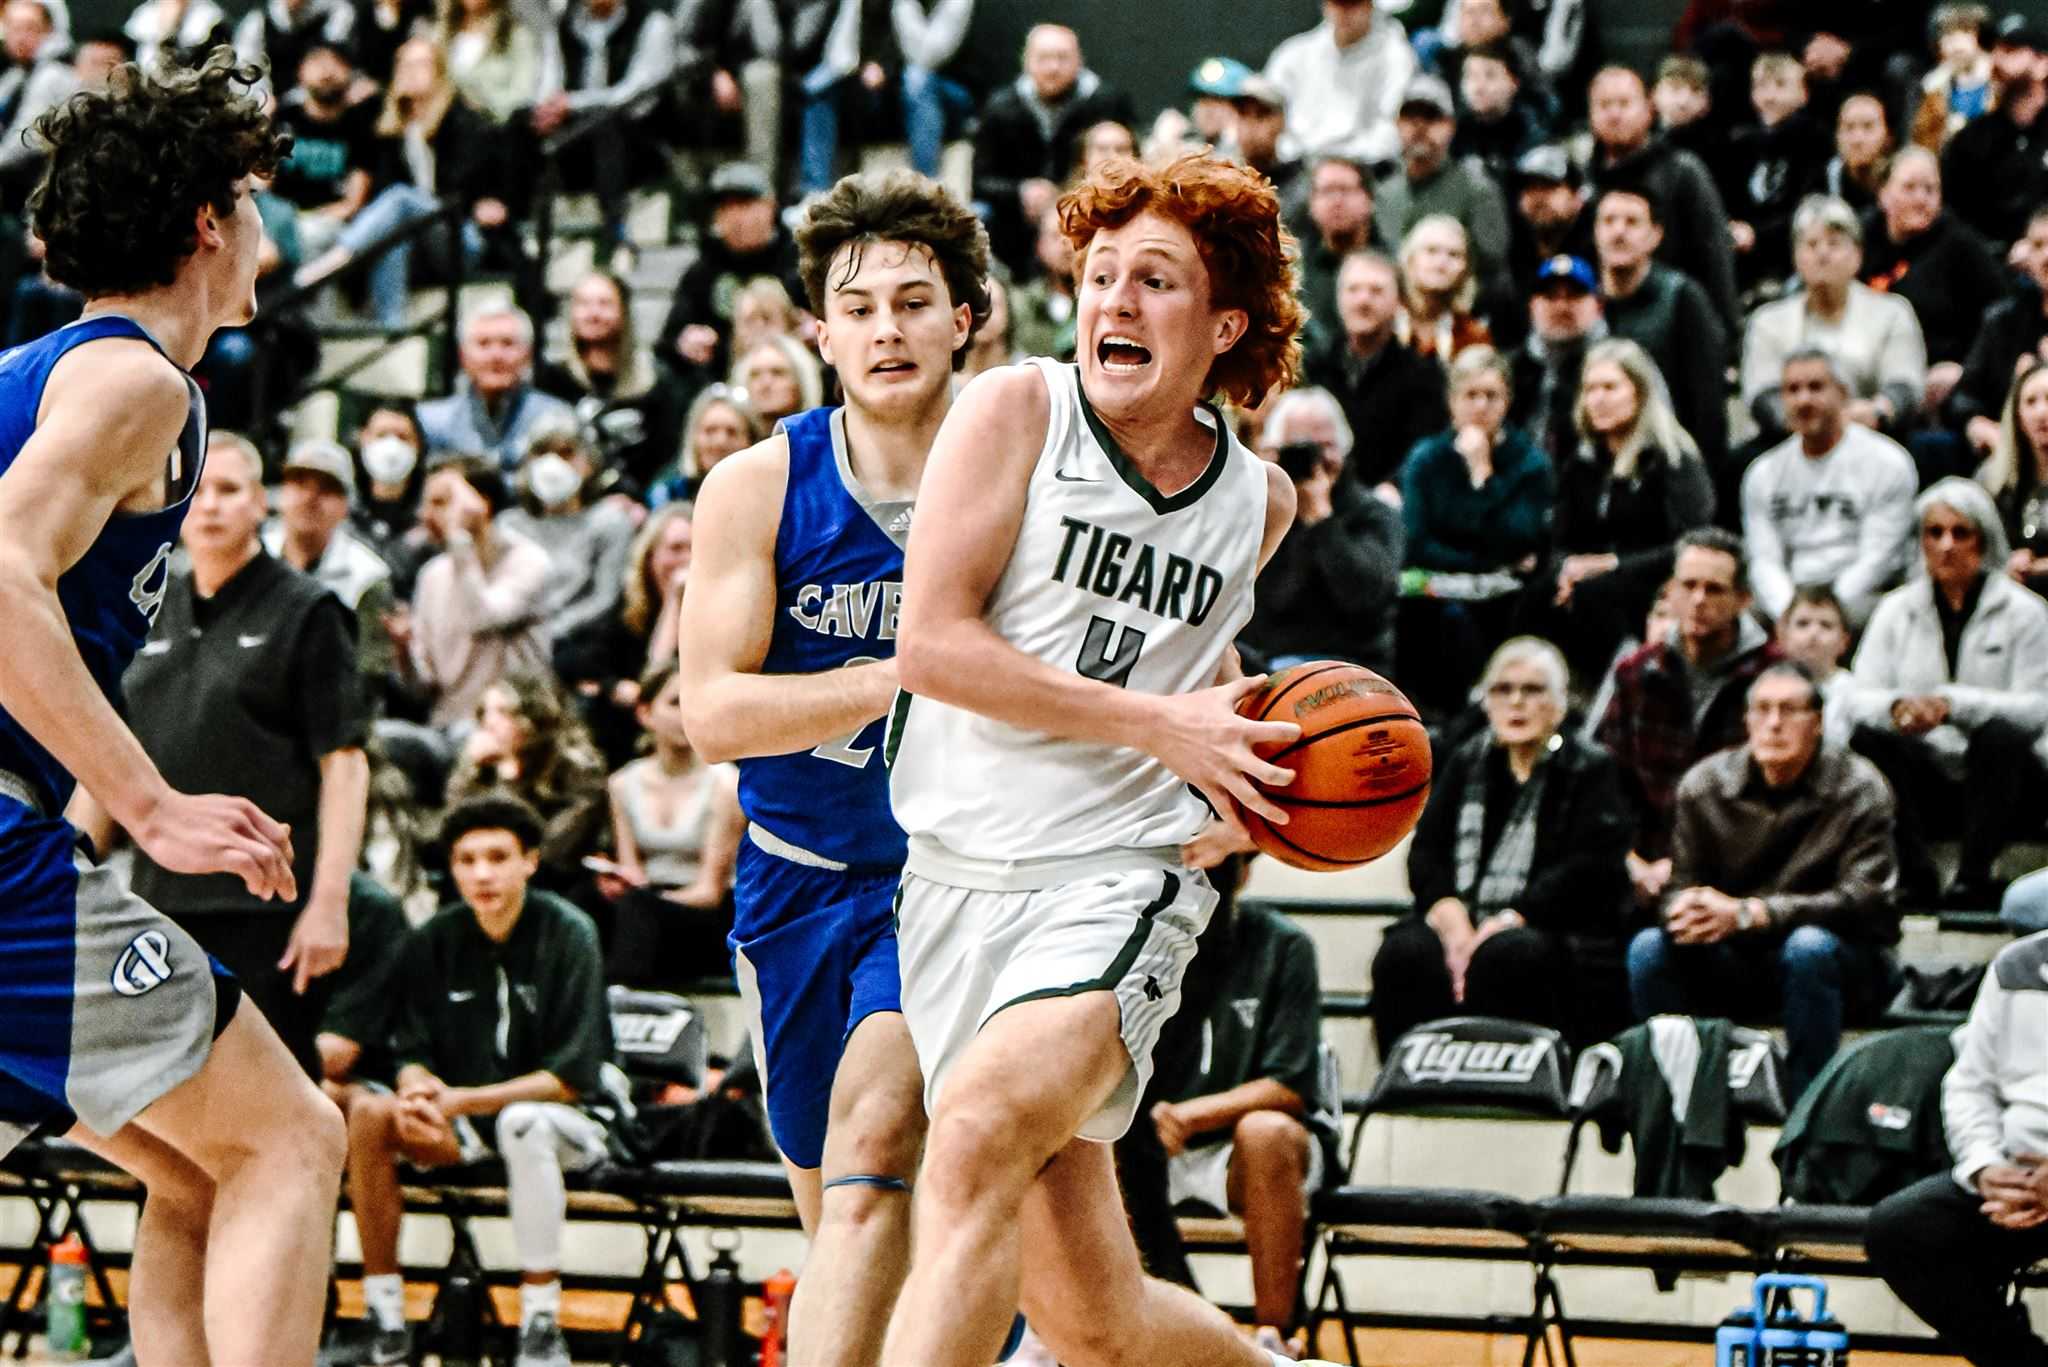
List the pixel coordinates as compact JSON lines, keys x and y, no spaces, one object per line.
{"x":776,"y":1293}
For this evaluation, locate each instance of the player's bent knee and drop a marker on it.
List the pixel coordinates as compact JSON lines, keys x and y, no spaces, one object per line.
{"x":880,"y":1133}
{"x":974,"y":1149}
{"x":1273,"y":1139}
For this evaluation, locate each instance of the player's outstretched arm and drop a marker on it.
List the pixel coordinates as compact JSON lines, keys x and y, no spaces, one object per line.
{"x":730,"y":709}
{"x":111,"y":414}
{"x":969,"y":509}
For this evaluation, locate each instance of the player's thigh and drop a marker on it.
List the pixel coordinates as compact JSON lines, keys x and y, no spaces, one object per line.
{"x":1080,"y":1270}
{"x":208,"y":1117}
{"x":877,"y":1124}
{"x":1025,"y":1084}
{"x":167,"y":1174}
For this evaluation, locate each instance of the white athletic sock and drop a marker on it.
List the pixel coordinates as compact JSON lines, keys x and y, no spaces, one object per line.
{"x":385,"y":1294}
{"x":534,"y":1300}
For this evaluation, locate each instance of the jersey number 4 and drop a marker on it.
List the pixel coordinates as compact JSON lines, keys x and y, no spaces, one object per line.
{"x":842,"y":749}
{"x":1098,"y":661}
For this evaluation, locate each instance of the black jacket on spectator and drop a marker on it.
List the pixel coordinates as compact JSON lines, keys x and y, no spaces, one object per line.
{"x":1013,"y":146}
{"x":1672,"y":318}
{"x":1695,"y":221}
{"x":1578,"y":880}
{"x":591,"y":662}
{"x":1499,"y":143}
{"x":1329,"y":589}
{"x":724,"y":35}
{"x":376,"y":42}
{"x":707,"y":289}
{"x":1393,"y":401}
{"x":1317,"y":271}
{"x":1638,"y":519}
{"x":638,"y":419}
{"x":807,"y":25}
{"x":1993,"y":174}
{"x":1947,"y":274}
{"x":1547,"y":390}
{"x":1833,"y":178}
{"x":469,"y":157}
{"x":1766,"y":171}
{"x":2013,"y":327}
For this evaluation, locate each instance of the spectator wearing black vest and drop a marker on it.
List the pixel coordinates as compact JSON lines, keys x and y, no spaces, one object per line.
{"x":1625,"y":151}
{"x":729,"y":66}
{"x":1666,"y":313}
{"x":606,"y":59}
{"x":280,"y":33}
{"x":1029,"y":130}
{"x":248,"y":686}
{"x":2011,"y":330}
{"x":1916,"y":248}
{"x":1392,"y":395}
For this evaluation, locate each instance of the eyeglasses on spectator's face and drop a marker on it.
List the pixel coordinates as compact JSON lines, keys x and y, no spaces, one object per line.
{"x":1503,"y":691}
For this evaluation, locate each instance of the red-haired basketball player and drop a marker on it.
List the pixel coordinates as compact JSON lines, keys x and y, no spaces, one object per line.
{"x":1084,"y":551}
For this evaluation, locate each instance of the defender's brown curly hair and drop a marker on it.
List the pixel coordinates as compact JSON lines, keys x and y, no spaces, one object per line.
{"x":130,"y":165}
{"x":897,"y":206}
{"x":1234,"y":217}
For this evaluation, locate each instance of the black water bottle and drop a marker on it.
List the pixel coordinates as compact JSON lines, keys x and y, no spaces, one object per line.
{"x":720,"y":1296}
{"x":458,"y":1320}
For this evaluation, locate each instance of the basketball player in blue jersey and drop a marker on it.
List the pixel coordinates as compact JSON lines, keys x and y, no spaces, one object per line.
{"x":120,"y":1033}
{"x":787,"y":638}
{"x":1087,"y":540}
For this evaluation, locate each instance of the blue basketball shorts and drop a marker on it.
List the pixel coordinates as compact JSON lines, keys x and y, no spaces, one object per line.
{"x":107,"y":1004}
{"x":814,"y":951}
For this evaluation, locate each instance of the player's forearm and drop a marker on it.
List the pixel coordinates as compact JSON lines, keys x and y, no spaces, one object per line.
{"x":344,"y":800}
{"x":965,"y":663}
{"x":45,"y":686}
{"x":539,"y":1085}
{"x":1223,"y":1110}
{"x":737,"y":716}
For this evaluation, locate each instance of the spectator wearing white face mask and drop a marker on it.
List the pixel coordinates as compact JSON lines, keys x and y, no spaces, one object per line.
{"x":588,"y":539}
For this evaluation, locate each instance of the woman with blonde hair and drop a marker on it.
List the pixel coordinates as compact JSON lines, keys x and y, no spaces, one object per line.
{"x":760,"y":310}
{"x":493,"y":56}
{"x":430,"y":146}
{"x":1522,"y":844}
{"x":1439,"y":290}
{"x":721,"y":422}
{"x":780,"y":378}
{"x":632,"y":407}
{"x":2016,"y":475}
{"x":601,"y":664}
{"x":1633,"y":487}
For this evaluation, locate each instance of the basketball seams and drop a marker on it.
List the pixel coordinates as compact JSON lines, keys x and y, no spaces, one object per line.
{"x":1340,"y":729}
{"x":1281,"y":798}
{"x":1277,"y":833}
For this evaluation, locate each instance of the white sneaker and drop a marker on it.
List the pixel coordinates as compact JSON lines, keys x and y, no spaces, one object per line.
{"x":1272,"y":1341}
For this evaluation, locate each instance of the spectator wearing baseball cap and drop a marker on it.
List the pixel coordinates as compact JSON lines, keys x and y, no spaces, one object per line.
{"x":744,"y":239}
{"x":1262,"y":136}
{"x":1550,"y":216}
{"x":1993,"y":167}
{"x":311,"y":534}
{"x":1564,"y":320}
{"x":1215,"y":85}
{"x":1430,"y":181}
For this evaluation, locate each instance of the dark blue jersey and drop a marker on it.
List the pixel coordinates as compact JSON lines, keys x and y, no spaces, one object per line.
{"x":110,"y":597}
{"x":838,"y":587}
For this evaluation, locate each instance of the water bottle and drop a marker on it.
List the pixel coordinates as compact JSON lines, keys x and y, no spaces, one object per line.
{"x":776,"y":1294}
{"x":64,"y":1300}
{"x":719,"y":1296}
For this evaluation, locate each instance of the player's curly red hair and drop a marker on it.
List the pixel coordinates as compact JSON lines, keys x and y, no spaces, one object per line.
{"x":1234,"y":217}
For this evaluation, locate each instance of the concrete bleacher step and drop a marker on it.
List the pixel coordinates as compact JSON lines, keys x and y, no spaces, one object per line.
{"x":397,"y":369}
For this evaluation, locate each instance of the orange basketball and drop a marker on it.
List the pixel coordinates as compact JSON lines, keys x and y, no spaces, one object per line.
{"x":1361,"y":766}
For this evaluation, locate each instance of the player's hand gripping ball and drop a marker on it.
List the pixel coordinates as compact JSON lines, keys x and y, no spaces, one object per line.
{"x":1361,"y":766}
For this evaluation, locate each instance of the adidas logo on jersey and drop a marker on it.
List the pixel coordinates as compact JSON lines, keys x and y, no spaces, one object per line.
{"x":1164,"y":584}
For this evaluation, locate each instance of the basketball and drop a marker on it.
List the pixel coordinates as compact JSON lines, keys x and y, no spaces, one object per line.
{"x":1361,"y":766}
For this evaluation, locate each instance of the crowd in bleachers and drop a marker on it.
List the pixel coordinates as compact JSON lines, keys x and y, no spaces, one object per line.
{"x":1678,"y":439}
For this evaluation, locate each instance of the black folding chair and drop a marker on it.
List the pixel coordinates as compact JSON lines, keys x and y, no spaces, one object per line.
{"x":1466,"y":1066}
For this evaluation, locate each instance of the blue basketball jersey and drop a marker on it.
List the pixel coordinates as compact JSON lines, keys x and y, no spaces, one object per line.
{"x":111,"y":596}
{"x":838,"y":587}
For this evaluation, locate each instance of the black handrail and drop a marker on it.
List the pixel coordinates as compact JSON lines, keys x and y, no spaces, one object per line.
{"x":549,"y":185}
{"x":450,"y":211}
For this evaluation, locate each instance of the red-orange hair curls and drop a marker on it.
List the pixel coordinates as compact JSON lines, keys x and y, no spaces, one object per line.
{"x":1234,"y":216}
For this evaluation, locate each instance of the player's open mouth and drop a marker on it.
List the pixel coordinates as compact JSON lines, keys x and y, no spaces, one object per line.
{"x":1122,"y":354}
{"x":892,"y":368}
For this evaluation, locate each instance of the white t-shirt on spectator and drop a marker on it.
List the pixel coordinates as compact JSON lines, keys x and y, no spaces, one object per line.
{"x":1343,"y":100}
{"x":1844,"y":519}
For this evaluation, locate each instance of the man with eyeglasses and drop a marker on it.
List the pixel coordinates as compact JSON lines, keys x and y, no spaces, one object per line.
{"x":1781,"y":883}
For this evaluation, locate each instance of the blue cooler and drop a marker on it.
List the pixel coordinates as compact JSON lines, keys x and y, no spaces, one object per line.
{"x":1757,"y":1336}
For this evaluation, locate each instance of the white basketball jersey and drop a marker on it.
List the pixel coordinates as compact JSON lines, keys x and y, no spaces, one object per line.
{"x":1116,"y":582}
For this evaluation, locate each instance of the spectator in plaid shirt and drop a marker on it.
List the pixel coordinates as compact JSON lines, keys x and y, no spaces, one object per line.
{"x":1680,"y":699}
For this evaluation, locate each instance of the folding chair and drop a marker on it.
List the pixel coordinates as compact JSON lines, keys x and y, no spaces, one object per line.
{"x":1666,"y":1235}
{"x":1463,"y":1067}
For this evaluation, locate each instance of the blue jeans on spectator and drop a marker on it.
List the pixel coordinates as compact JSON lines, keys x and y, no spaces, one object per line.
{"x":2025,"y":907}
{"x":929,"y":100}
{"x":1819,"y":978}
{"x":390,"y":274}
